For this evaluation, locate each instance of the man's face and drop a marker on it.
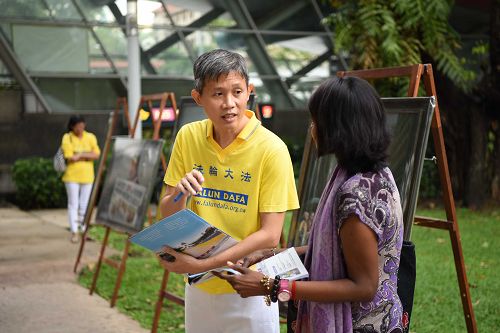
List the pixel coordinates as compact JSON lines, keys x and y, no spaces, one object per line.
{"x":225,"y":102}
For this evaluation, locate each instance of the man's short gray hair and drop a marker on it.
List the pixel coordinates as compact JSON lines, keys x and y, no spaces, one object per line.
{"x":211,"y":65}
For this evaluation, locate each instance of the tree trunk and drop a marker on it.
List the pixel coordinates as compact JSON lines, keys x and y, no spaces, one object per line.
{"x":455,"y":121}
{"x":494,"y":96}
{"x":476,"y":178}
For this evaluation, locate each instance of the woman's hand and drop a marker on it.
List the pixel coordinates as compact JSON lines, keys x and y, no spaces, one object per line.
{"x":247,"y":283}
{"x":255,"y":257}
{"x":75,"y":158}
{"x":182,"y":263}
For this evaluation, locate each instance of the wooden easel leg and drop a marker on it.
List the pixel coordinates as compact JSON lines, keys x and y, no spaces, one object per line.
{"x":159,"y":302}
{"x":444,"y":175}
{"x":99,"y":261}
{"x":80,"y":250}
{"x":121,"y":270}
{"x":470,"y":319}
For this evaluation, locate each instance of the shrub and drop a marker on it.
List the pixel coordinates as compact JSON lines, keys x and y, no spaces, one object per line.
{"x":38,"y":184}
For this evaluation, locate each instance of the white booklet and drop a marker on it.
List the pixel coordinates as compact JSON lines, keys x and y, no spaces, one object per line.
{"x":286,"y":264}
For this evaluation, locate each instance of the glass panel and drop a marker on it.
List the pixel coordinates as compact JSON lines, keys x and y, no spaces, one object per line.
{"x":7,"y":30}
{"x":149,"y":12}
{"x":77,"y":95}
{"x":173,"y":61}
{"x":51,"y":48}
{"x":115,"y":44}
{"x":203,"y":41}
{"x":96,"y":12}
{"x":284,"y":15}
{"x":3,"y":69}
{"x":24,"y":8}
{"x":261,"y":92}
{"x":63,"y":9}
{"x":223,"y":21}
{"x":150,"y":37}
{"x":303,"y":88}
{"x":97,"y":61}
{"x":291,"y":53}
{"x":183,"y":12}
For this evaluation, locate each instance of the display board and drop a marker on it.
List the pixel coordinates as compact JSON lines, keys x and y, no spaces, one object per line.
{"x":128,"y":183}
{"x":408,"y":121}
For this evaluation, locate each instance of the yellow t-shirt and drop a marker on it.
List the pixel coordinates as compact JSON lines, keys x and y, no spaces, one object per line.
{"x":82,"y":171}
{"x":252,"y":175}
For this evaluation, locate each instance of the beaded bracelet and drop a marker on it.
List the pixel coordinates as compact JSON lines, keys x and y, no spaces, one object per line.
{"x":266,"y":282}
{"x":275,"y":289}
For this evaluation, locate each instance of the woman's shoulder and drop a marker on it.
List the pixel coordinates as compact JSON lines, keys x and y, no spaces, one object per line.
{"x":66,"y":137}
{"x":89,"y":135}
{"x":372,"y":180}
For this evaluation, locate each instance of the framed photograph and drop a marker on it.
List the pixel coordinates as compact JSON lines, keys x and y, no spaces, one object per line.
{"x":408,"y":120}
{"x":128,"y":184}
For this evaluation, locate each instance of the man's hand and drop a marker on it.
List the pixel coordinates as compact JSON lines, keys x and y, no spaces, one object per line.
{"x":182,"y":263}
{"x":191,"y":182}
{"x":255,"y":257}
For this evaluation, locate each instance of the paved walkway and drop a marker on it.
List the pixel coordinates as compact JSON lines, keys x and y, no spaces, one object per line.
{"x":38,"y":289}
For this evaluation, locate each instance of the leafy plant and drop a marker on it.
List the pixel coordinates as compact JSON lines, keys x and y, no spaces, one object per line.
{"x":382,"y":33}
{"x":38,"y":184}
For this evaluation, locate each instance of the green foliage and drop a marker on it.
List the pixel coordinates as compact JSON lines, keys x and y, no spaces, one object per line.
{"x":383,"y":33}
{"x":430,"y":186}
{"x":38,"y":184}
{"x":296,"y":150}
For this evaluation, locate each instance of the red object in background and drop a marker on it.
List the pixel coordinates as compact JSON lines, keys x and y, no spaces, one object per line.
{"x":168,"y":114}
{"x":405,"y":319}
{"x":267,"y":110}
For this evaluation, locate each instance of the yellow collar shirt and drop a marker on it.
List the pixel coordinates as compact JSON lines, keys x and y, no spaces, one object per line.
{"x":252,"y":175}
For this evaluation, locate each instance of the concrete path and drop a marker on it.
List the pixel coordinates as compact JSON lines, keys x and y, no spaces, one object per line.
{"x":38,"y":289}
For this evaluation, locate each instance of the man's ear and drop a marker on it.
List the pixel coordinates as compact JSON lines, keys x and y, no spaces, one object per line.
{"x":250,"y":89}
{"x":196,"y":96}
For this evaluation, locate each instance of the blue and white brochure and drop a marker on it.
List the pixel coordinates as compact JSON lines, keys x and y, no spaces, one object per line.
{"x":185,"y":232}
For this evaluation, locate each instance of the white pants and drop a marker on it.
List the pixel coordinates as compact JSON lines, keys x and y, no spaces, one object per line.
{"x":78,"y":199}
{"x":229,"y":313}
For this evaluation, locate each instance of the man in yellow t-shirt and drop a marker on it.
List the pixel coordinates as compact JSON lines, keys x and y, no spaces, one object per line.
{"x":240,"y":178}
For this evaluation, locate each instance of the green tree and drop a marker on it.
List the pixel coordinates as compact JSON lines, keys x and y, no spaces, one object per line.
{"x":384,"y":33}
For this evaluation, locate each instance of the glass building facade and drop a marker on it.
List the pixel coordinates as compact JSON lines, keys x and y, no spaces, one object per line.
{"x":70,"y":56}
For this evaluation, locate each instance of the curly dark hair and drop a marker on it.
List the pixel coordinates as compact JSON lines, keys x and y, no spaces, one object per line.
{"x":350,"y":122}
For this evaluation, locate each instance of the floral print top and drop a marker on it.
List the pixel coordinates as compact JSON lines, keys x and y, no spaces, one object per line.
{"x":374,"y":198}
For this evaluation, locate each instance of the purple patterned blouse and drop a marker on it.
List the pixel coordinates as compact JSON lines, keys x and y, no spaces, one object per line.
{"x":374,"y":198}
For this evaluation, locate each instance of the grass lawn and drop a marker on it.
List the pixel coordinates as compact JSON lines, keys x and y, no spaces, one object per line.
{"x":437,"y":306}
